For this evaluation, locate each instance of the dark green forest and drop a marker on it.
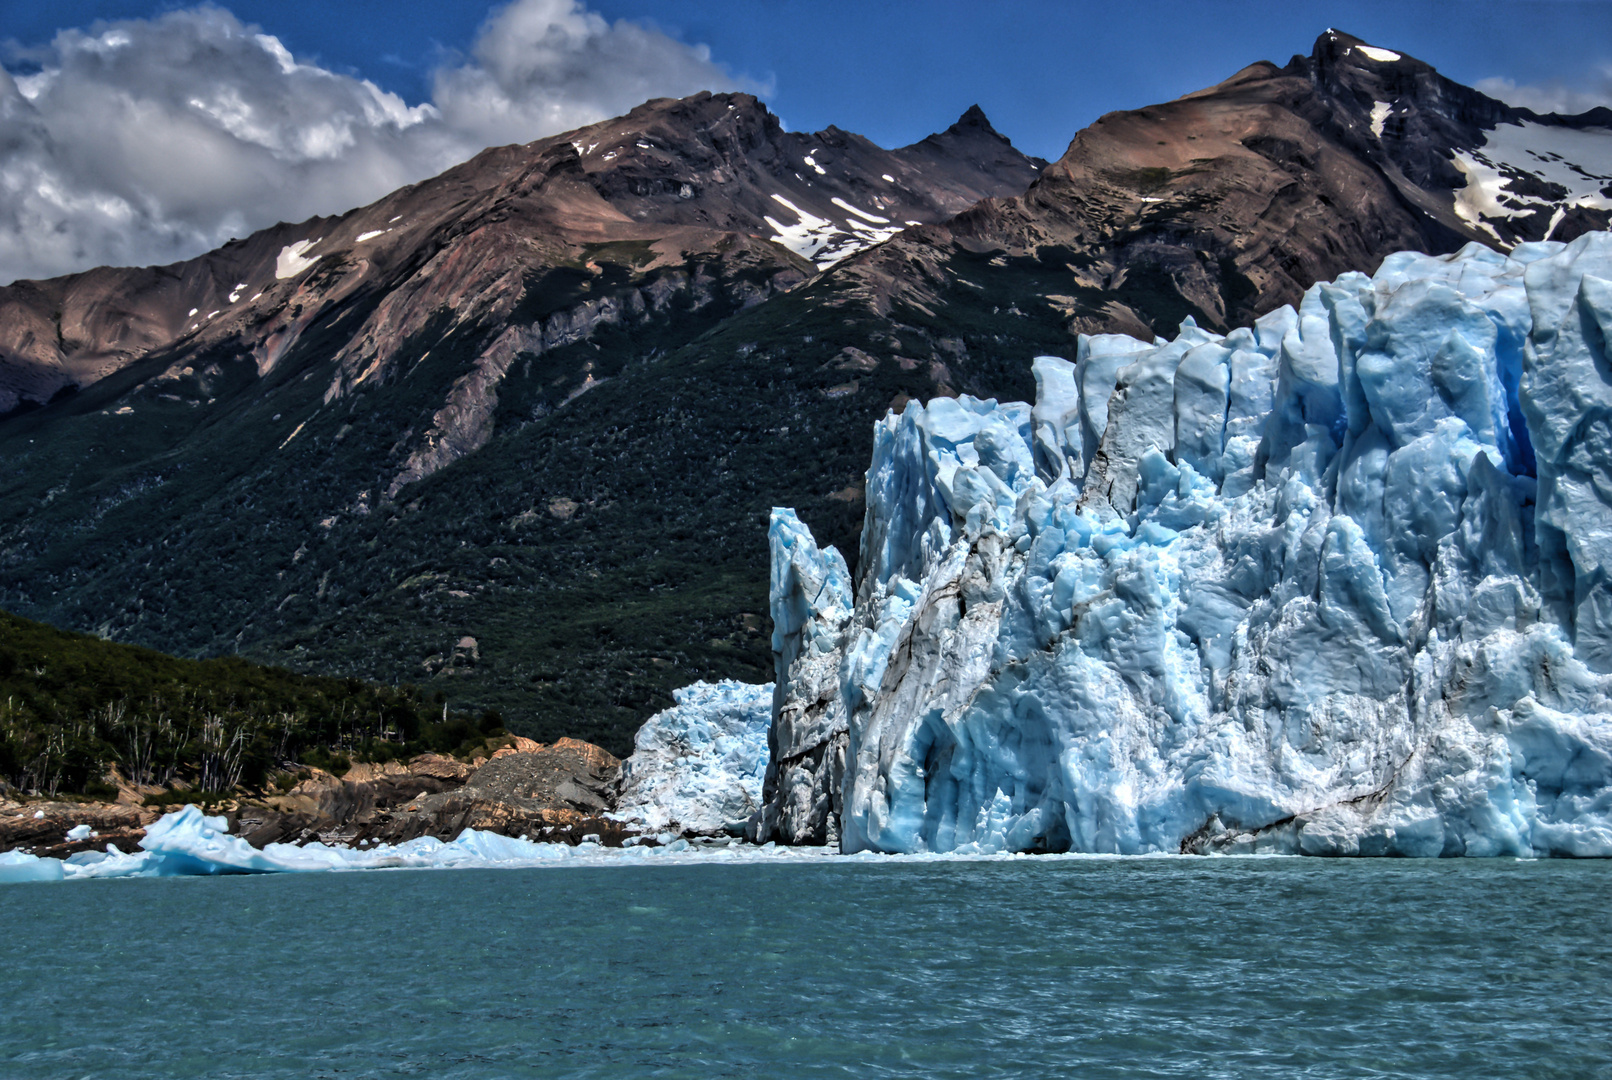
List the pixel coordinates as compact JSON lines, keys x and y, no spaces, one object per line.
{"x":73,"y":706}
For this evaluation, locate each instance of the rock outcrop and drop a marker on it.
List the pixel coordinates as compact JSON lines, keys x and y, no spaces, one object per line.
{"x":555,"y":792}
{"x":61,"y":829}
{"x":558,"y":792}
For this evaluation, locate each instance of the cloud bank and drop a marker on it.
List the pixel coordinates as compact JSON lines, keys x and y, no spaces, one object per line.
{"x":1553,"y":97}
{"x":152,"y":140}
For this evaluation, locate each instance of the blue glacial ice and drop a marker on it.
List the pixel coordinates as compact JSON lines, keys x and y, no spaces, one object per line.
{"x":1337,"y":583}
{"x":697,"y":767}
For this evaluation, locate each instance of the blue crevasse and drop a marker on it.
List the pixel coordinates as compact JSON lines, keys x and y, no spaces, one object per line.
{"x":1336,"y":583}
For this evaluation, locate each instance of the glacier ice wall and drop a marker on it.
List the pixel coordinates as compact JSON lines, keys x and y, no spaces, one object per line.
{"x":697,"y":767}
{"x":1336,"y":583}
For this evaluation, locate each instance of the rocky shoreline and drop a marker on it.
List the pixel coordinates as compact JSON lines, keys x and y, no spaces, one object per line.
{"x":558,"y":792}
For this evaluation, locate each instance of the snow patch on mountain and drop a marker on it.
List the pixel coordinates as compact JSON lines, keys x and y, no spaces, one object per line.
{"x":1379,"y":115}
{"x":826,"y":242}
{"x":1529,"y":168}
{"x":863,"y":214}
{"x":293,"y":259}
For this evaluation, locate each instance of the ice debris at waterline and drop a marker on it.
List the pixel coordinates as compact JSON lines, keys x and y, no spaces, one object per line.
{"x":1337,"y":583}
{"x":189,"y":843}
{"x":697,"y":767}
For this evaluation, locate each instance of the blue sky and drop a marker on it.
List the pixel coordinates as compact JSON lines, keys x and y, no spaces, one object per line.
{"x":148,"y":131}
{"x":896,"y":71}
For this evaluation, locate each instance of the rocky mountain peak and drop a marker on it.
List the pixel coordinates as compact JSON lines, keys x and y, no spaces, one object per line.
{"x":972,"y":128}
{"x":1348,"y":69}
{"x":973,"y":118}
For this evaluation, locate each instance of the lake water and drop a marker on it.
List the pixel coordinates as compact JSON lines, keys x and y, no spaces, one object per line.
{"x":829,"y":968}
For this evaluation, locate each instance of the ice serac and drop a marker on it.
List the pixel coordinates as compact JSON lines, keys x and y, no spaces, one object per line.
{"x":697,"y":768}
{"x":1336,"y":583}
{"x":811,"y":603}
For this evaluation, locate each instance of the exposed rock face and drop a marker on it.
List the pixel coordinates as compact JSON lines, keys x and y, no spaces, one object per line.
{"x":44,"y":828}
{"x":555,"y":792}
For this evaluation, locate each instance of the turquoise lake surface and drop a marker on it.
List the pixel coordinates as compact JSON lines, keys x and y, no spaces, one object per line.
{"x":1085,"y":968}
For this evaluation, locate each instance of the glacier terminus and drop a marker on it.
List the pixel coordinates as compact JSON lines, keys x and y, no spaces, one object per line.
{"x":1334,"y":584}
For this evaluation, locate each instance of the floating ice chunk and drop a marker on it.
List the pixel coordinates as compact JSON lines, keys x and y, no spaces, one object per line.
{"x":17,"y":866}
{"x":79,"y":832}
{"x":292,"y":259}
{"x":189,"y":843}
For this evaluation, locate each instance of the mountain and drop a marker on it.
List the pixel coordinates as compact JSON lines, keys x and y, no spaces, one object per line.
{"x":231,"y":451}
{"x":1233,"y":200}
{"x":522,"y":446}
{"x":515,"y":236}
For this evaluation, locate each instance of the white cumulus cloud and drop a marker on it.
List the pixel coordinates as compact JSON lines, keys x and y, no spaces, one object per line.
{"x":151,"y":140}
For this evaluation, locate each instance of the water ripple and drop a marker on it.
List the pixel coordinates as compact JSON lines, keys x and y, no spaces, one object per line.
{"x":1204,"y":968}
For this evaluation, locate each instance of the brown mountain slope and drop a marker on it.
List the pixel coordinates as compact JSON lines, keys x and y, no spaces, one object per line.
{"x":669,"y":183}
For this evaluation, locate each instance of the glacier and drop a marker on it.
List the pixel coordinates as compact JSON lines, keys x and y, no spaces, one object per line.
{"x":1337,"y":583}
{"x":697,"y":768}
